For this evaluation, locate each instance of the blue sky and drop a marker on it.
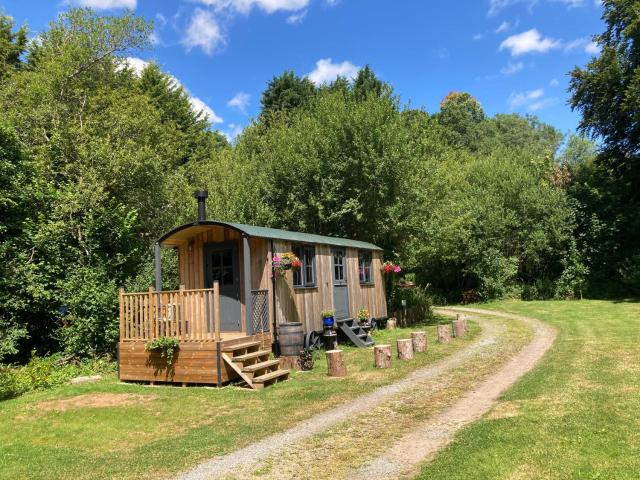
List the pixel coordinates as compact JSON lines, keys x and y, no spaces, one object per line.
{"x":512,"y":55}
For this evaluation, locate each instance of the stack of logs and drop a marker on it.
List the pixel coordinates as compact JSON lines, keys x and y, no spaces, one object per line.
{"x":406,"y":346}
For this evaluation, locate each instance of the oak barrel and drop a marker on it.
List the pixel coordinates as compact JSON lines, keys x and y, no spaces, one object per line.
{"x":291,"y":336}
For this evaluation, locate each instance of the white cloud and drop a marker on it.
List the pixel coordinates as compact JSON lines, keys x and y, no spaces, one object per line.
{"x":198,"y":106}
{"x":544,"y":103}
{"x":106,"y":4}
{"x":161,"y":19}
{"x":527,"y":42}
{"x":138,"y":65}
{"x":504,"y":26}
{"x":327,"y":71}
{"x":245,"y":6}
{"x":478,"y":36}
{"x":574,"y":44}
{"x":239,"y":102}
{"x":203,"y":31}
{"x":554,"y":82}
{"x":519,"y":99}
{"x":592,"y":48}
{"x":496,"y":6}
{"x":442,"y":53}
{"x":512,"y":68}
{"x":296,"y":18}
{"x":232,"y":131}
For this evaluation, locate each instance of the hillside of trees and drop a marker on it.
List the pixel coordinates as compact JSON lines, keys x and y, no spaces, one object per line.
{"x":98,"y":160}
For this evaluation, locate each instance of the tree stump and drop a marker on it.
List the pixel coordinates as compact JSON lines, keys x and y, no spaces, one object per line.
{"x":444,"y":333}
{"x":405,"y":349}
{"x":382,"y":356}
{"x":419,"y":340}
{"x":463,"y":318}
{"x":391,"y":323}
{"x":458,"y":328}
{"x":335,"y":364}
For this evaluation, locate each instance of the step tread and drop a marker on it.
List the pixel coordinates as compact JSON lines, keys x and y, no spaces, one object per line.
{"x":270,"y":376}
{"x":239,"y":346}
{"x":248,"y":356}
{"x":262,"y":365}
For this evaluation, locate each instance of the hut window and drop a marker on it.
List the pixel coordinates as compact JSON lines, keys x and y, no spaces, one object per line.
{"x":364,"y":263}
{"x":305,"y":276}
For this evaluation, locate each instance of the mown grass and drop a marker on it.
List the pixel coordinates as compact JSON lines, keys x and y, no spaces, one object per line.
{"x":167,"y":429}
{"x":575,"y":416}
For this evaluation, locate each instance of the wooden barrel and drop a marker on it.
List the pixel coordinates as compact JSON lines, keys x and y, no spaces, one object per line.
{"x":291,"y":336}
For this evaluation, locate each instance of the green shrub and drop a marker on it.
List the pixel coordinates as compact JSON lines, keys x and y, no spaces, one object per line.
{"x":418,"y":300}
{"x":47,"y":372}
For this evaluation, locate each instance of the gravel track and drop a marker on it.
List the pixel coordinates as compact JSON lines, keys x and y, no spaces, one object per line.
{"x":255,"y":453}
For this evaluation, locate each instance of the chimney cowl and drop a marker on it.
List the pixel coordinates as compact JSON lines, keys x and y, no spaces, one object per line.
{"x":201,"y":196}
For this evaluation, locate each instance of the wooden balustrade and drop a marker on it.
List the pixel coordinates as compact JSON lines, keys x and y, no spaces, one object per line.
{"x":184,"y":314}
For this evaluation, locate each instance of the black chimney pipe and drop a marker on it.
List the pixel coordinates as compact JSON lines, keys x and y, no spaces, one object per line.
{"x":201,"y":196}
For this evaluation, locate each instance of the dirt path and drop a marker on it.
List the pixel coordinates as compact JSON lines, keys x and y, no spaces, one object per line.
{"x":422,"y":443}
{"x":255,"y":453}
{"x":437,"y":419}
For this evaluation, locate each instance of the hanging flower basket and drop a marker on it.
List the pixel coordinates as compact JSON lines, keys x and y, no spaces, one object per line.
{"x":389,"y":268}
{"x":284,"y":262}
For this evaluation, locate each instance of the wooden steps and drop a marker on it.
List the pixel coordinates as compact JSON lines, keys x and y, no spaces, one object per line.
{"x":350,"y":330}
{"x":253,"y":365}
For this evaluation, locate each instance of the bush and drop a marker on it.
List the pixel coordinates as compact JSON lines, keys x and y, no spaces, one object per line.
{"x":418,"y":301}
{"x":47,"y":372}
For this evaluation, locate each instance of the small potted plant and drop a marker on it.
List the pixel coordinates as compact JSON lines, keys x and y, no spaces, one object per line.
{"x":364,"y":316}
{"x":284,"y":262}
{"x":327,"y":319}
{"x":389,"y":268}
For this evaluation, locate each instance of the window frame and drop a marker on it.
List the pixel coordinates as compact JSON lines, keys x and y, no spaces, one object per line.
{"x":307,"y":255}
{"x":362,"y":258}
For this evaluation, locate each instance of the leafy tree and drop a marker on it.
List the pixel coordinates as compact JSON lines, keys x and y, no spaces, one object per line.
{"x":367,"y":83}
{"x":285,"y":93}
{"x":607,"y":94}
{"x":12,"y":45}
{"x":461,"y":115}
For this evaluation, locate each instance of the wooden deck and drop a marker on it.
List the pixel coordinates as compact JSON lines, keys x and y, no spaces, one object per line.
{"x":195,"y":362}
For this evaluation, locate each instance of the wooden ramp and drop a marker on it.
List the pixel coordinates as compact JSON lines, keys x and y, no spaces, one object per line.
{"x":253,"y":365}
{"x":349,"y":329}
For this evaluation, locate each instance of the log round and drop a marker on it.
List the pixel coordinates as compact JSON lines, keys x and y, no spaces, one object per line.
{"x":458,"y":328}
{"x":419,"y":340}
{"x":464,"y":319}
{"x":391,"y":323}
{"x":444,"y":333}
{"x":405,"y":349}
{"x":335,"y":364}
{"x":382,"y":356}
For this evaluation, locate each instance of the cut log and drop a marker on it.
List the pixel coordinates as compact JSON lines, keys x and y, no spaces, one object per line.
{"x":458,"y":328}
{"x":405,"y":349}
{"x":444,"y":333}
{"x":382,"y":356}
{"x":335,"y":364}
{"x":419,"y":340}
{"x":391,"y":323}
{"x":465,"y":322}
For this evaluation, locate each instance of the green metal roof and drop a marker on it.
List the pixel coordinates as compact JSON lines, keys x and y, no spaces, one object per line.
{"x":277,"y":234}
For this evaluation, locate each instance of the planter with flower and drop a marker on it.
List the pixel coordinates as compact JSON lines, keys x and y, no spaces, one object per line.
{"x":286,"y":261}
{"x":389,"y":268}
{"x":364,"y":317}
{"x":327,"y":319}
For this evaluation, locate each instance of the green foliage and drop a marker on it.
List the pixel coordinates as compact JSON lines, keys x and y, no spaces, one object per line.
{"x":165,"y":346}
{"x":47,"y":372}
{"x":327,"y":313}
{"x":419,"y":299}
{"x":607,"y":94}
{"x":12,"y":46}
{"x":285,"y":93}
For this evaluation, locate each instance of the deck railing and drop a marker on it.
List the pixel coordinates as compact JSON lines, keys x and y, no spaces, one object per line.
{"x":184,"y":314}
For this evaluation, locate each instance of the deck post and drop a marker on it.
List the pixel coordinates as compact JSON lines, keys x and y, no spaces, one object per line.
{"x":158,"y":264}
{"x":246,"y":268}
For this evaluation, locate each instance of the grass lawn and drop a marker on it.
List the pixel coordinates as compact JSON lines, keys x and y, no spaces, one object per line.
{"x":149,"y":432}
{"x":575,"y":416}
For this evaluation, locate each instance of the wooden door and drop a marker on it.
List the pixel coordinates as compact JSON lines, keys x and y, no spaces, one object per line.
{"x":221,"y":264}
{"x":340,"y":287}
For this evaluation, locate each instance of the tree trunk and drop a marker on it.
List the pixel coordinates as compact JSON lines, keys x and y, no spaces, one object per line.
{"x":444,"y":333}
{"x":419,"y":340}
{"x":405,"y":349}
{"x":335,"y":364}
{"x":382,"y":356}
{"x":391,"y":323}
{"x":458,"y":328}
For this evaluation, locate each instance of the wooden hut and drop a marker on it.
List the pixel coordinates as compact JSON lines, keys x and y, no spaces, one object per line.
{"x":226,"y":313}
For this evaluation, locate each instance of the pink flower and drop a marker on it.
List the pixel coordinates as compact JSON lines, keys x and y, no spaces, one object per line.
{"x":397,"y":269}
{"x":276,"y":259}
